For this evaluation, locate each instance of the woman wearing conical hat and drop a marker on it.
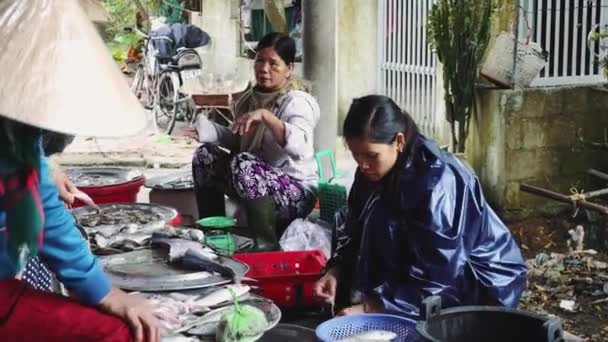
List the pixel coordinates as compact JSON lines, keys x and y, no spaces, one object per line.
{"x":57,"y":75}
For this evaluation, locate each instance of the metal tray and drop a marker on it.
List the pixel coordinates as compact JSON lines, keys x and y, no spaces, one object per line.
{"x":162,"y":182}
{"x":148,"y":270}
{"x":93,"y":177}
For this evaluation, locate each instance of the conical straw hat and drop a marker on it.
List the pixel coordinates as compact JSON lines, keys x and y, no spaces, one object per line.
{"x":57,"y":74}
{"x":95,"y":10}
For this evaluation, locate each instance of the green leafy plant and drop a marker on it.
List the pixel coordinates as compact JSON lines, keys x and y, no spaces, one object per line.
{"x":459,"y":31}
{"x":123,"y":14}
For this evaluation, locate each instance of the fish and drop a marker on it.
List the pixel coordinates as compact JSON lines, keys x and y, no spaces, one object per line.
{"x":371,"y":336}
{"x":196,"y":235}
{"x":198,"y":260}
{"x":122,"y":240}
{"x":223,"y":295}
{"x":178,"y":338}
{"x":178,"y":247}
{"x":204,"y":329}
{"x":174,"y":310}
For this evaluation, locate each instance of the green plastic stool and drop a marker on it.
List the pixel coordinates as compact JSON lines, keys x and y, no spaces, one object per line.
{"x":332,"y":197}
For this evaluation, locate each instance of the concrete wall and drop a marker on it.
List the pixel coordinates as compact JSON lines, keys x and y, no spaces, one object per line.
{"x":529,"y":136}
{"x":357,"y":52}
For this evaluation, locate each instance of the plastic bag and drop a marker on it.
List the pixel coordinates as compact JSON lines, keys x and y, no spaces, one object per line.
{"x":307,"y":235}
{"x":243,"y":323}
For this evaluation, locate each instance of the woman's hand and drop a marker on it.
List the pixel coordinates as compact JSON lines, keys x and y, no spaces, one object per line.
{"x":325,"y":288}
{"x":191,"y":133}
{"x":244,"y":123}
{"x":370,"y":305}
{"x":135,"y":311}
{"x":67,"y":190}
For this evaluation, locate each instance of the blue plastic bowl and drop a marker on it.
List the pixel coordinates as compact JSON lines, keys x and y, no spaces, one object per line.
{"x":340,"y":328}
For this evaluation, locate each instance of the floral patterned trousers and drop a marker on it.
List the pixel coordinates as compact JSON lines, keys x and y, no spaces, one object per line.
{"x":246,"y":177}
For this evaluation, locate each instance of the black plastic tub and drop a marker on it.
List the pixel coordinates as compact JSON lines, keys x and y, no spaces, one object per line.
{"x":485,"y":323}
{"x":289,"y":332}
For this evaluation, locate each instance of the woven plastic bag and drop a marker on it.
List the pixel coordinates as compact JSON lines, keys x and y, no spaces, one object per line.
{"x":498,"y":66}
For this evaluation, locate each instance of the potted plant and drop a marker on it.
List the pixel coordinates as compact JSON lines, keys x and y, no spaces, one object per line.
{"x":459,"y":32}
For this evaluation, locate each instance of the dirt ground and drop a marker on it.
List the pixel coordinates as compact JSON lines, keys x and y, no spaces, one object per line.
{"x":573,"y":279}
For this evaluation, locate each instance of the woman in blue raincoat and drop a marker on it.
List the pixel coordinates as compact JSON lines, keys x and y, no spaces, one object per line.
{"x":417,"y":224}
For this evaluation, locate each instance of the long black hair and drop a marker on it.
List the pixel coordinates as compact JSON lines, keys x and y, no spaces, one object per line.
{"x":379,"y":119}
{"x":283,"y":44}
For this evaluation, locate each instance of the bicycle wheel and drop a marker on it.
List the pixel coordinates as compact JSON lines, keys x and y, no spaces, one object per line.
{"x":167,"y":102}
{"x":140,"y":87}
{"x":137,"y":86}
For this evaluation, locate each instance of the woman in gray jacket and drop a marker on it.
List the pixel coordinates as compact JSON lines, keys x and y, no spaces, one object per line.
{"x":266,"y":160}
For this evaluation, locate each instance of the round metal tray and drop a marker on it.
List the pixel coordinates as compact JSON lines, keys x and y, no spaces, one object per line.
{"x":148,"y":271}
{"x":94,"y":177}
{"x":182,"y":181}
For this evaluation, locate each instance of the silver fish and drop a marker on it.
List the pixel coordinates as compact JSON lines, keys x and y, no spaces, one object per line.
{"x":178,"y":338}
{"x":223,"y":295}
{"x":371,"y":336}
{"x":119,"y":240}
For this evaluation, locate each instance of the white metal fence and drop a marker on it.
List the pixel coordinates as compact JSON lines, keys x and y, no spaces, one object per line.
{"x":562,"y":28}
{"x":407,"y":67}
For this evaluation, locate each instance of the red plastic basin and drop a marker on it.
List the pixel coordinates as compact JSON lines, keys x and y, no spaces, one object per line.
{"x":286,"y":278}
{"x":120,"y":193}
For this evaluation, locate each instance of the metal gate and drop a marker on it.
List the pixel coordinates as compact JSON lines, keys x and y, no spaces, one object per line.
{"x":563,"y":28}
{"x":407,"y":67}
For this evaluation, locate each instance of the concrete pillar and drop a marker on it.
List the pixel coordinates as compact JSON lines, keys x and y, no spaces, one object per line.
{"x":320,"y":40}
{"x":358,"y":44}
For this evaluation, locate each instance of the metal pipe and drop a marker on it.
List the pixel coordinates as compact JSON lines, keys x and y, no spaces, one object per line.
{"x":562,"y":198}
{"x":590,"y":194}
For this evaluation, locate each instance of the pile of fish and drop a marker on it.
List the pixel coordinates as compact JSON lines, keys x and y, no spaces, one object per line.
{"x":116,"y":228}
{"x":98,"y":177}
{"x":118,"y":217}
{"x":373,"y":335}
{"x":179,"y":312}
{"x":90,"y":180}
{"x":132,"y":237}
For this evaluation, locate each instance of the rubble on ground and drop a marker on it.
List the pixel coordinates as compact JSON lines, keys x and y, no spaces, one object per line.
{"x":569,"y":286}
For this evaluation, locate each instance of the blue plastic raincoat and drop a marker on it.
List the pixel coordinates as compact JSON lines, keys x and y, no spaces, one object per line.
{"x":426,"y":229}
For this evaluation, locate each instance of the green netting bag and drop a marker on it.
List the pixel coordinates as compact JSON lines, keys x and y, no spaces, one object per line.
{"x":243,"y":323}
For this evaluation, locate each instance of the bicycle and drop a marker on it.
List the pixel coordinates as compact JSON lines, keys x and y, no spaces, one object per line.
{"x":157,"y":82}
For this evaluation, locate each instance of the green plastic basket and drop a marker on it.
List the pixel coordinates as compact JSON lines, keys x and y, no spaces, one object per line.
{"x":332,"y":197}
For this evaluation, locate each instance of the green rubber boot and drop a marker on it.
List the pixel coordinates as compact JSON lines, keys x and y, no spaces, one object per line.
{"x":262,"y":217}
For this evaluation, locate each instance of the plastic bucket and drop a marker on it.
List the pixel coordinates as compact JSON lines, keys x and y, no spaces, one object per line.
{"x":485,"y":323}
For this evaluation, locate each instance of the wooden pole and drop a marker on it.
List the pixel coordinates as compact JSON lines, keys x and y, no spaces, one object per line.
{"x":563,"y":198}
